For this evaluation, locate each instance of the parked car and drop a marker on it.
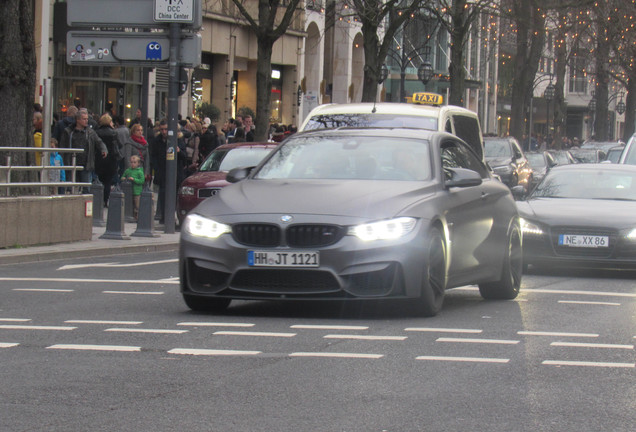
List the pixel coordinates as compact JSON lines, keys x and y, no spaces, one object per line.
{"x":562,"y":157}
{"x":628,"y":156}
{"x":210,"y":177}
{"x":507,"y":160}
{"x":588,"y":155}
{"x":601,"y":145}
{"x":541,"y":163}
{"x":581,"y":215}
{"x":354,"y":214}
{"x":613,"y":155}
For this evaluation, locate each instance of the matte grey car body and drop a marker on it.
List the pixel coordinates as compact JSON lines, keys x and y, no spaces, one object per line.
{"x":318,"y":218}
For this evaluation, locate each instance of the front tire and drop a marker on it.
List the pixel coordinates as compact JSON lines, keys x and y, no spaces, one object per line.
{"x":434,"y":278}
{"x":507,"y":288}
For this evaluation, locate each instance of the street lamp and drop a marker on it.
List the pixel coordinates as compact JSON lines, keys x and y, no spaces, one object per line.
{"x":620,"y":107}
{"x":425,"y":72}
{"x":384,"y":73}
{"x":548,"y":94}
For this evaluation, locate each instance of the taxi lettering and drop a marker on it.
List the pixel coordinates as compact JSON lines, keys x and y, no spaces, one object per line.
{"x":427,"y":98}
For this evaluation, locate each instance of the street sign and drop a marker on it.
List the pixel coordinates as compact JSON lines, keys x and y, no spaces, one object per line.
{"x":149,"y":49}
{"x":131,"y":13}
{"x":174,"y":11}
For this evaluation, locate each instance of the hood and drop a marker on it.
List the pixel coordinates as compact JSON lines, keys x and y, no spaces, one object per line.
{"x":580,"y":212}
{"x":206,"y":179}
{"x":354,"y":198}
{"x":498,"y":161}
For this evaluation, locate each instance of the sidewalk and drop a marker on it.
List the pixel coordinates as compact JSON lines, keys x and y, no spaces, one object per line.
{"x":95,"y":247}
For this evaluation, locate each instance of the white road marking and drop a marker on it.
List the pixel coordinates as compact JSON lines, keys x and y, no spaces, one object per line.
{"x":170,"y":279}
{"x":116,"y":264}
{"x":8,"y":345}
{"x":214,"y":324}
{"x":485,"y":341}
{"x":586,"y":363}
{"x":44,"y":290}
{"x":15,"y":319}
{"x":103,"y":322}
{"x":34,"y":327}
{"x":365,"y":337}
{"x":336,"y":355}
{"x":464,"y":359}
{"x":589,"y":303}
{"x":134,"y":292}
{"x":556,"y":291}
{"x":95,"y":347}
{"x":328,"y":327}
{"x":100,"y":281}
{"x":266,"y":334}
{"x":591,"y":345}
{"x":211,"y":352}
{"x":546,"y":333}
{"x":138,"y":330}
{"x":442,"y":330}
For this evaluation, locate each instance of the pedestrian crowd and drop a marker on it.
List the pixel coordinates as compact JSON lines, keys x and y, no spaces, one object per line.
{"x":115,"y":151}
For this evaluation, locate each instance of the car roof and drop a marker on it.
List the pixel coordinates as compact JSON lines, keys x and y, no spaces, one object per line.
{"x":597,"y":167}
{"x":266,"y":144}
{"x":397,"y":132}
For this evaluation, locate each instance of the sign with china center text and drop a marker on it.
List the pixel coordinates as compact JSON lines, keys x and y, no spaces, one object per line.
{"x":174,"y":11}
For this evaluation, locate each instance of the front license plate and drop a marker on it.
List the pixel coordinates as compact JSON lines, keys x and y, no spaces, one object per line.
{"x":577,"y":240}
{"x":283,"y":259}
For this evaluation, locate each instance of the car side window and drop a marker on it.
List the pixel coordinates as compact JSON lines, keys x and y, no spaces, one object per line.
{"x":457,"y":155}
{"x":517,"y":150}
{"x":467,"y":128}
{"x":448,"y":127}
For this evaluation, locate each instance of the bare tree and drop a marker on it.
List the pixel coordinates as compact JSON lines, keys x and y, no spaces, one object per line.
{"x":458,"y":16}
{"x":373,"y":17}
{"x":17,"y":74}
{"x":268,"y":26}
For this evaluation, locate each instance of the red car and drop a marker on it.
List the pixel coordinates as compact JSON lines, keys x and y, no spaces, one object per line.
{"x":210,"y":177}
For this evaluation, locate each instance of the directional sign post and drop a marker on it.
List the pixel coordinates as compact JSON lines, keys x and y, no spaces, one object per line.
{"x":143,"y":48}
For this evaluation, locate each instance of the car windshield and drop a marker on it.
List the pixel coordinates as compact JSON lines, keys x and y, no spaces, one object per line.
{"x":497,"y":149}
{"x":590,"y":184}
{"x":332,"y":121}
{"x":586,"y":156}
{"x":349,"y":157}
{"x":560,"y":157}
{"x":226,"y":159}
{"x":535,"y":160}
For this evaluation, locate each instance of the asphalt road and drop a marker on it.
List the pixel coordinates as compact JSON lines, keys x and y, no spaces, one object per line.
{"x":107,"y":344}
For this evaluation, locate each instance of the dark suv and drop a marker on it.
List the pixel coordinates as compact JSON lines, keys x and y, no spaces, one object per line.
{"x":505,"y":157}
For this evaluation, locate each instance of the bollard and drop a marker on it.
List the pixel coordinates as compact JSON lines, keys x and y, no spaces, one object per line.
{"x":115,"y":221}
{"x":126,"y":187}
{"x":97,"y":190}
{"x":145,"y":218}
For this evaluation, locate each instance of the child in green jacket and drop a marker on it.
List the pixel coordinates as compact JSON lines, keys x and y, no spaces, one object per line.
{"x":136,"y":175}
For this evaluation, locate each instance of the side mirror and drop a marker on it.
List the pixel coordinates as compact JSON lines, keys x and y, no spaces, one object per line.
{"x":518,"y":192}
{"x":237,"y":174}
{"x":461,"y":177}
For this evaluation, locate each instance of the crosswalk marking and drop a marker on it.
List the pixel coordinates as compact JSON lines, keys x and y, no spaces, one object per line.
{"x":589,"y":303}
{"x":587,"y":363}
{"x":212,"y":352}
{"x":591,"y":345}
{"x":214,"y":324}
{"x":484,"y":341}
{"x":134,"y":292}
{"x":44,"y":290}
{"x":328,"y":327}
{"x":103,"y":322}
{"x":365,"y":337}
{"x":95,"y":347}
{"x":336,"y":355}
{"x":442,"y":330}
{"x":464,"y":359}
{"x":8,"y":344}
{"x":34,"y":327}
{"x":15,"y":319}
{"x":265,"y":334}
{"x":138,"y":330}
{"x":548,"y":333}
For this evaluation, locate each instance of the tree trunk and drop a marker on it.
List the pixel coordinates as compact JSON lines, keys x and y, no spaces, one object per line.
{"x":630,"y":106}
{"x":601,"y":122}
{"x":17,"y":76}
{"x":530,"y":40}
{"x":560,"y":106}
{"x":372,"y":62}
{"x":458,"y":35}
{"x":263,"y":89}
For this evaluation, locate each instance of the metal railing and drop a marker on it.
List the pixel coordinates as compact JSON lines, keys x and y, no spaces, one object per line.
{"x":43,"y":169}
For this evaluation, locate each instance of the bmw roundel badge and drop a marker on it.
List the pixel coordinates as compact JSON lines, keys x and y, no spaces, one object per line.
{"x":286,"y":218}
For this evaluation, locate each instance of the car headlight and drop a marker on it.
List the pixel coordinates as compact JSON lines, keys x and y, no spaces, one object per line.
{"x":505,"y":169}
{"x":186,"y":190}
{"x":631,"y":235}
{"x":528,"y":228}
{"x":384,"y":230}
{"x":204,"y":227}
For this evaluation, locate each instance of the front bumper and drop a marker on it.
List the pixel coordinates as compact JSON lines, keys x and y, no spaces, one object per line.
{"x":349,"y":269}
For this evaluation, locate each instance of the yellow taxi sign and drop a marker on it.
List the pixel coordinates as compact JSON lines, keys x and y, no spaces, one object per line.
{"x":427,"y":98}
